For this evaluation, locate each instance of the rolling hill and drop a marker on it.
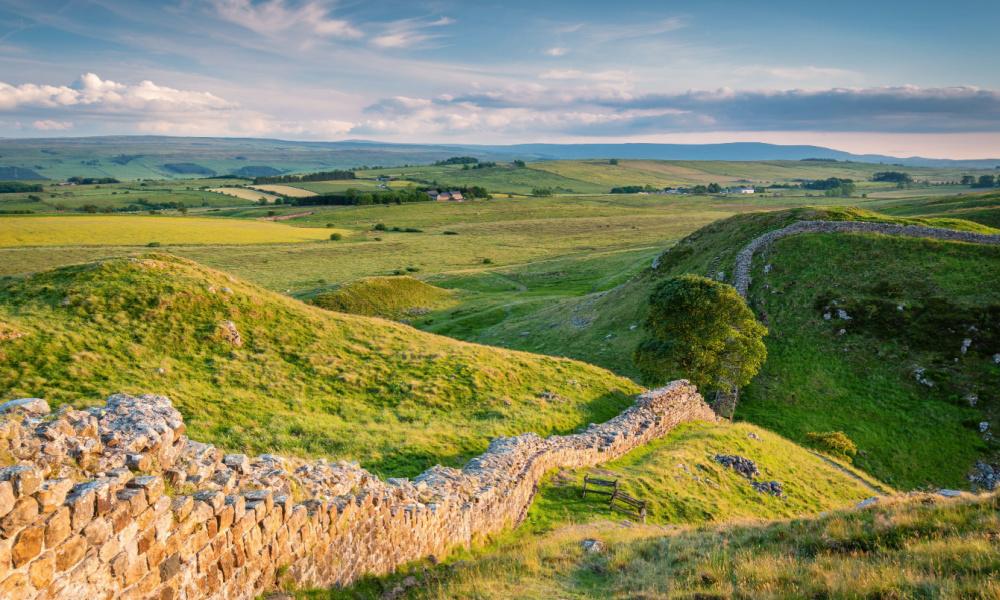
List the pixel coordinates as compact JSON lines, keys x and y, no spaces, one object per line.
{"x":256,"y":371}
{"x":863,"y":381}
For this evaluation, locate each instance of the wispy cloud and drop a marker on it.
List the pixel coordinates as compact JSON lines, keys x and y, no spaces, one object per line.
{"x":407,"y":33}
{"x":50,"y":125}
{"x":557,"y":51}
{"x":278,"y":16}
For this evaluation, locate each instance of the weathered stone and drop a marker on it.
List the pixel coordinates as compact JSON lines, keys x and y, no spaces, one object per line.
{"x":27,"y":546}
{"x":25,"y":479}
{"x":42,"y":570}
{"x":23,"y":513}
{"x":52,"y":494}
{"x":70,"y":552}
{"x":57,"y":528}
{"x":14,"y":586}
{"x":35,"y":407}
{"x":7,"y":498}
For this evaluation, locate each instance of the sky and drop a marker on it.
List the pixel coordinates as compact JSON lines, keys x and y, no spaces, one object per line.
{"x":897,"y":77}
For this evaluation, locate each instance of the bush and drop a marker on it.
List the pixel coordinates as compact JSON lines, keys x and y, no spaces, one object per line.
{"x":336,"y":236}
{"x":450,"y":233}
{"x":487,"y":261}
{"x":834,"y":442}
{"x":153,"y":245}
{"x":380,"y":227}
{"x":412,"y":269}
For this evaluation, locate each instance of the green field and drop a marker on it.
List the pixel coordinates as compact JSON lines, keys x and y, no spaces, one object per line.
{"x":134,"y":196}
{"x":86,"y":230}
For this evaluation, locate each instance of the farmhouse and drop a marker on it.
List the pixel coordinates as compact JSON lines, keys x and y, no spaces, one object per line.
{"x":741,"y":190}
{"x":453,"y":196}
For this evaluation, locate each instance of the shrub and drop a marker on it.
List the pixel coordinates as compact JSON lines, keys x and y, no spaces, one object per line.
{"x":153,"y":245}
{"x":380,"y":227}
{"x":412,"y":269}
{"x":834,"y":442}
{"x":336,"y":236}
{"x":487,"y":261}
{"x":413,"y":230}
{"x":329,"y":225}
{"x":450,"y":233}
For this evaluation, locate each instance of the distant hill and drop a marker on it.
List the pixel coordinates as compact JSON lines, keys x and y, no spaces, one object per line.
{"x":137,"y":157}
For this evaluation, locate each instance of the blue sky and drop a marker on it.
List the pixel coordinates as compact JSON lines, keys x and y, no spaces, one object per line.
{"x":894,"y":77}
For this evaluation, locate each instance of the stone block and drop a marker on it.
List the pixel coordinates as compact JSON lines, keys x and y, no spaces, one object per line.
{"x":52,"y":494}
{"x":42,"y":570}
{"x":7,"y":498}
{"x":27,"y":545}
{"x":97,"y":531}
{"x":152,"y":485}
{"x":70,"y":552}
{"x":57,"y":527}
{"x":23,"y":513}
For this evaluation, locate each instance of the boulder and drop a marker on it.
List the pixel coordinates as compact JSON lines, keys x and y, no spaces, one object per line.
{"x":34,"y":407}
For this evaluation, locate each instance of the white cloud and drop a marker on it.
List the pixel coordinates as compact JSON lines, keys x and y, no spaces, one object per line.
{"x":50,"y":125}
{"x":557,"y":51}
{"x":406,"y":33}
{"x":93,"y":92}
{"x":277,"y":16}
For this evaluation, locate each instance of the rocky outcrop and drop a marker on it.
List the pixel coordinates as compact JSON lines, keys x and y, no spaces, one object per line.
{"x":744,"y":260}
{"x":116,"y":502}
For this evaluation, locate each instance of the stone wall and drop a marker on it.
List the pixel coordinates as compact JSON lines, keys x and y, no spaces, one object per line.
{"x":744,"y":260}
{"x":116,"y":502}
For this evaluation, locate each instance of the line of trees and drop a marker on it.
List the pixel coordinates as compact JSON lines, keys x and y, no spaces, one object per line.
{"x":457,"y":160}
{"x":983,"y":181}
{"x":92,"y":180}
{"x":833,"y":186}
{"x":320,"y":176}
{"x":14,"y":187}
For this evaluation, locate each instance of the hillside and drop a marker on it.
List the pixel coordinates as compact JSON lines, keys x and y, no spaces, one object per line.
{"x":388,"y":297}
{"x":815,"y":380}
{"x":256,"y":371}
{"x":918,"y":546}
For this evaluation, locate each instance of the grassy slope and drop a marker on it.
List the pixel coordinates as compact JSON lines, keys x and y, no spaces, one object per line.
{"x":305,"y":380}
{"x":389,"y":297}
{"x":55,"y":198}
{"x":909,"y":437}
{"x":597,"y":327}
{"x":863,"y":382}
{"x":910,"y":547}
{"x":683,"y":484}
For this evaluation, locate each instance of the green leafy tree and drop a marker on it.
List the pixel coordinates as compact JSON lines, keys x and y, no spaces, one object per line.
{"x":701,"y":330}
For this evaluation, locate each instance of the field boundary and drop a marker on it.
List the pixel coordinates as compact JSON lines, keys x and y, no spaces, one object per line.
{"x":744,"y":260}
{"x":100,"y":509}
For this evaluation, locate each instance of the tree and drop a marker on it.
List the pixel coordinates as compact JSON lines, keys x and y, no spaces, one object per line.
{"x":520,"y":164}
{"x":714,"y":188}
{"x":613,"y":161}
{"x":968,"y":180}
{"x":985,"y":181}
{"x":701,"y":330}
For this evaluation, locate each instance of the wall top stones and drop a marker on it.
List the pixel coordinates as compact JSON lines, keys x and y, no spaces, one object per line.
{"x":744,"y":260}
{"x":116,"y":502}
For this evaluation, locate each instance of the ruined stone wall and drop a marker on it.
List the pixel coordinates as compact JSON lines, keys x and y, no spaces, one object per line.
{"x":115,"y":502}
{"x":744,"y":260}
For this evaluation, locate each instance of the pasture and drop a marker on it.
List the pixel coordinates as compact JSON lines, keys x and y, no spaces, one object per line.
{"x":248,"y":194}
{"x":284,"y":190}
{"x":101,"y":230}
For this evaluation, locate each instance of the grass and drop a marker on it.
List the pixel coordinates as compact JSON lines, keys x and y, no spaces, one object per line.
{"x":305,"y":381}
{"x":86,"y":230}
{"x":907,"y":547}
{"x":682,"y":483}
{"x":863,"y":382}
{"x":139,"y":196}
{"x":389,"y":297}
{"x":814,"y":380}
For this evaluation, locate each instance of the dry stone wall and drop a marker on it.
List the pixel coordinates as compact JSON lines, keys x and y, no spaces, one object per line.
{"x":116,"y":502}
{"x":744,"y":260}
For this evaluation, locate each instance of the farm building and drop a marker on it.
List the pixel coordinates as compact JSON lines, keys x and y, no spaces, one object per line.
{"x":741,"y":190}
{"x":454,"y":196}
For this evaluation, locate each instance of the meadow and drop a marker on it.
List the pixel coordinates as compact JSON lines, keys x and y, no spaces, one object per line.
{"x":128,"y":230}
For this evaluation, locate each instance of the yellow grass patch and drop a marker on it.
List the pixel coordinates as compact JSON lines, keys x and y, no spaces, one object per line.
{"x":110,"y":230}
{"x":245,"y":193}
{"x":285,"y":190}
